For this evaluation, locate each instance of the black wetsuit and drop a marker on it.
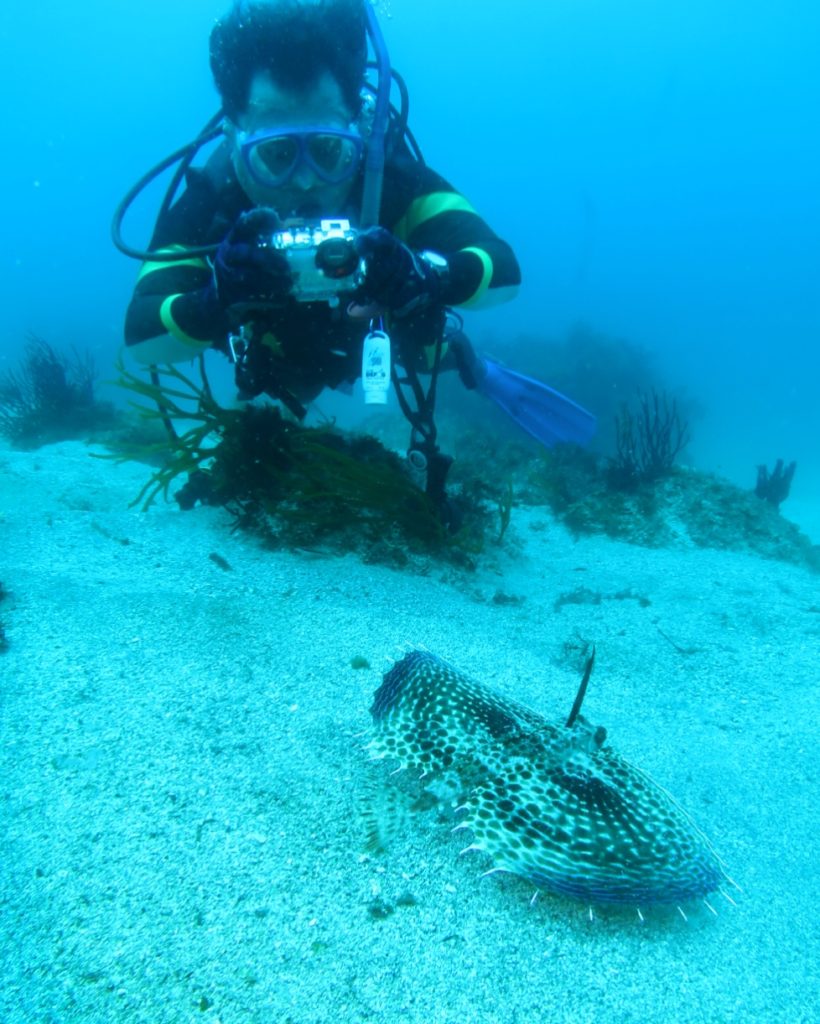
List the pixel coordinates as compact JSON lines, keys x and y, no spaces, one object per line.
{"x":306,"y":347}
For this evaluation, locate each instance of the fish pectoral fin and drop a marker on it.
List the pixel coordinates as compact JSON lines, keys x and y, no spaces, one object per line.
{"x":385,"y":811}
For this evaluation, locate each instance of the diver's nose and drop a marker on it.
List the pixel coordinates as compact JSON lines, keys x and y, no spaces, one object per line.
{"x":303,"y":178}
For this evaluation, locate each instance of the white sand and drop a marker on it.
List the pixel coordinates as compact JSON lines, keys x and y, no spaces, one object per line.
{"x":182,"y":767}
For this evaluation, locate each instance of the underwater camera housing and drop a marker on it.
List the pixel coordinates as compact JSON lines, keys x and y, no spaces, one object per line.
{"x":322,"y":258}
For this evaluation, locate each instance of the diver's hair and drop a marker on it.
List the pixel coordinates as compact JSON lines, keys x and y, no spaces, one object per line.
{"x":294,"y":42}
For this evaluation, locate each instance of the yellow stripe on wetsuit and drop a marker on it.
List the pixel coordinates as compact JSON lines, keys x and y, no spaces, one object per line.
{"x":166,"y":315}
{"x":151,"y":266}
{"x":486,"y":277}
{"x":425,"y":208}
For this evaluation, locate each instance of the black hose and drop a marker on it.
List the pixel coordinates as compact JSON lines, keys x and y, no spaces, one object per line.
{"x":400,"y":131}
{"x":183,"y":156}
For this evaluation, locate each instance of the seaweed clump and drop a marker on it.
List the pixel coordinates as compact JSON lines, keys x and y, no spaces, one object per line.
{"x":292,"y":486}
{"x":621,"y":495}
{"x":640,"y":496}
{"x":576,"y":485}
{"x":50,"y":397}
{"x":683,"y":508}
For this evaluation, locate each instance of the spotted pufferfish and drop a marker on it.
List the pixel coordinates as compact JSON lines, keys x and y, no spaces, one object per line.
{"x":551,"y":803}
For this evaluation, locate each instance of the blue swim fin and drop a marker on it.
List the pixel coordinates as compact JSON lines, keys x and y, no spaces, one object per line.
{"x":548,"y":416}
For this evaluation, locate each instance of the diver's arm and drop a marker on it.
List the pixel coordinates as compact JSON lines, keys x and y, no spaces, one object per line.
{"x":174,"y":314}
{"x":483,"y":269}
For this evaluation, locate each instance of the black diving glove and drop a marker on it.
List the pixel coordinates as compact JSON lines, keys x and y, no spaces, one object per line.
{"x":248,"y":272}
{"x":399,"y":280}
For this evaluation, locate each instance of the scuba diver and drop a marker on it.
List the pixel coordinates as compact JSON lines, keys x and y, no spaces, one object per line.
{"x":316,"y":246}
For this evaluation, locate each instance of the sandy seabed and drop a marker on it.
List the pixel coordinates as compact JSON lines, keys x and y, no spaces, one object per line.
{"x":182,"y":772}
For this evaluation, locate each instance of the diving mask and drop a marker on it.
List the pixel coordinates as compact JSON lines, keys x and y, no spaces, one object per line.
{"x":273,"y":156}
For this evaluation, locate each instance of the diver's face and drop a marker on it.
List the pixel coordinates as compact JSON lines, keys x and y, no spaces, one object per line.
{"x":304,"y":193}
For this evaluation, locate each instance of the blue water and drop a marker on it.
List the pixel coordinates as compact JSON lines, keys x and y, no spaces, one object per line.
{"x":655,"y":170}
{"x":655,"y":167}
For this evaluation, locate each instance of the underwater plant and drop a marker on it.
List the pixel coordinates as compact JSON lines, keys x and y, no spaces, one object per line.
{"x":647,"y":441}
{"x":685,"y":507}
{"x":289,"y":484}
{"x":172,"y":399}
{"x":50,"y":397}
{"x":774,"y":487}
